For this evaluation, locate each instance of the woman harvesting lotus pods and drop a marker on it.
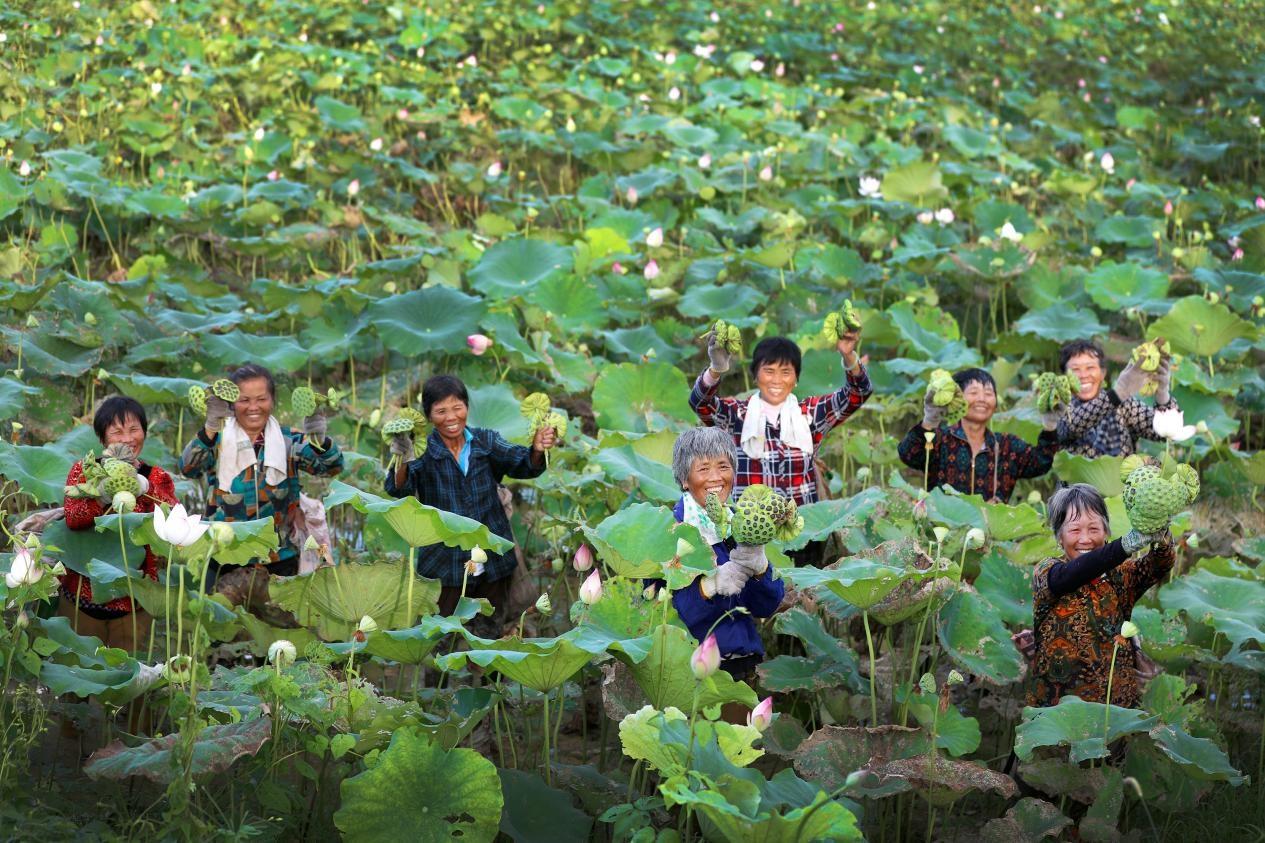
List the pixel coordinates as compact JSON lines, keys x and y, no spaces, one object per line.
{"x":121,"y":425}
{"x":1081,"y":598}
{"x":1110,"y":421}
{"x":459,"y":472}
{"x":777,"y":433}
{"x":252,"y":463}
{"x":724,"y":602}
{"x":963,"y":452}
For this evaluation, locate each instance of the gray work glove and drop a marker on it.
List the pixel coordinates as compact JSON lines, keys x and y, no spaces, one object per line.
{"x":1050,"y":420}
{"x":932,"y":413}
{"x":1163,"y":380}
{"x":314,"y":428}
{"x":217,"y":410}
{"x":1133,"y":541}
{"x":402,"y":446}
{"x":745,"y":561}
{"x":1130,"y":381}
{"x":718,"y":358}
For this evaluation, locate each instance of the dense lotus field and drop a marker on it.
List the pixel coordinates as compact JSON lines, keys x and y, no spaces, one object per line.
{"x":344,"y":192}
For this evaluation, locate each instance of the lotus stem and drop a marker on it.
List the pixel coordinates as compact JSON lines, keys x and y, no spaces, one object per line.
{"x":412,"y":575}
{"x":131,"y":596}
{"x":545,"y":742}
{"x":1111,"y":674}
{"x":869,"y":643}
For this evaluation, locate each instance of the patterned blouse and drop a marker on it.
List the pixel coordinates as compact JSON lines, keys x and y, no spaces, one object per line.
{"x":992,"y":473}
{"x":1105,"y":425}
{"x":1073,"y":633}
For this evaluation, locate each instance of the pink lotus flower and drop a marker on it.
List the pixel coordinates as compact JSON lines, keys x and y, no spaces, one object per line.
{"x":706,"y":658}
{"x":655,"y":238}
{"x":1237,"y":256}
{"x":926,"y":217}
{"x":478,"y":344}
{"x":704,"y":161}
{"x":591,"y":591}
{"x":762,"y":715}
{"x":583,"y":559}
{"x":494,"y":169}
{"x":631,"y":195}
{"x":780,"y":70}
{"x":401,"y":114}
{"x":1260,"y":203}
{"x":353,"y":187}
{"x":273,"y":175}
{"x":1108,"y":162}
{"x":652,"y":270}
{"x":1168,"y":209}
{"x":618,"y":268}
{"x":766,"y":173}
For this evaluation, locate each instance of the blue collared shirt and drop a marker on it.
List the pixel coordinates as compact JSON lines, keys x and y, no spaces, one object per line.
{"x":463,"y":459}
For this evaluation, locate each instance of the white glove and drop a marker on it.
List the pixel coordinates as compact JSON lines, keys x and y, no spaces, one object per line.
{"x":717,"y":357}
{"x":745,"y":561}
{"x":217,"y":410}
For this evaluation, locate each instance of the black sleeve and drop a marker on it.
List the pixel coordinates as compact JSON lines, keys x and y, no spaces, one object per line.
{"x":1066,"y":577}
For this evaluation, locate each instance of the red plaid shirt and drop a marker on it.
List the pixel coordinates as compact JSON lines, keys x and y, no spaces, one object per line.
{"x":787,"y":469}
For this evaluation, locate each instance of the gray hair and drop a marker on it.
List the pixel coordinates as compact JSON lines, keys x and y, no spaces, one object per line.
{"x":701,"y":443}
{"x":1073,"y":500}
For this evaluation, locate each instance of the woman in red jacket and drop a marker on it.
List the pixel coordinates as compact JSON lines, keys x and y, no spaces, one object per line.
{"x":118,"y":421}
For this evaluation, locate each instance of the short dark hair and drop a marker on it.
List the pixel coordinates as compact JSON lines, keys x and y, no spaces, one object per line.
{"x":439,"y":387}
{"x":1076,"y":499}
{"x":1076,"y":348}
{"x":974,"y":375}
{"x":776,"y":350}
{"x":117,"y":408}
{"x":253,"y":371}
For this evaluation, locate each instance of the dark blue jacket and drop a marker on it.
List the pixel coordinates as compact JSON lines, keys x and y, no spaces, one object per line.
{"x":736,"y":633}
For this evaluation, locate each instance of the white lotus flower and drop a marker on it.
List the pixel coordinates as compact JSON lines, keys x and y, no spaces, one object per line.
{"x":24,"y":570}
{"x":674,"y":93}
{"x":494,"y":169}
{"x":870,"y":187}
{"x":177,"y":527}
{"x":282,"y":652}
{"x":1171,"y":424}
{"x":24,"y":169}
{"x":926,"y":217}
{"x":655,"y":238}
{"x":704,"y":161}
{"x":1107,"y":162}
{"x":944,"y":216}
{"x":1008,"y":232}
{"x":757,"y":66}
{"x":259,"y":133}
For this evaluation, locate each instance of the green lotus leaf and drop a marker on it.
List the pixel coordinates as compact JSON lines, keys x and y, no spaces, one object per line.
{"x":413,"y":645}
{"x":820,"y":645}
{"x":1078,"y":725}
{"x":823,"y":518}
{"x":13,"y":396}
{"x":918,"y":183}
{"x":279,"y":353}
{"x":1164,"y":636}
{"x":641,"y":541}
{"x":251,"y":540}
{"x":971,"y":143}
{"x":571,"y":302}
{"x":430,"y":319}
{"x":976,"y":639}
{"x":956,"y":733}
{"x":416,"y":524}
{"x":40,"y":471}
{"x":1199,"y":757}
{"x":665,"y":678}
{"x":1231,"y":606}
{"x":1196,"y":326}
{"x":339,"y":115}
{"x":653,"y":478}
{"x":956,"y":510}
{"x":263,"y":634}
{"x":621,"y":620}
{"x":634,"y":344}
{"x":641,"y":398}
{"x":820,"y":819}
{"x":384,"y":802}
{"x":1029,"y":820}
{"x":216,"y":748}
{"x":1060,"y":324}
{"x":513,"y":267}
{"x":333,"y":599}
{"x":1007,"y":587}
{"x":1137,"y":232}
{"x":80,"y":548}
{"x":46,"y":354}
{"x":1103,"y":473}
{"x":913,"y":598}
{"x":537,"y":813}
{"x":731,"y":302}
{"x":864,"y":580}
{"x":153,"y":389}
{"x":542,"y":664}
{"x":495,"y":406}
{"x":942,"y":781}
{"x":1119,"y":286}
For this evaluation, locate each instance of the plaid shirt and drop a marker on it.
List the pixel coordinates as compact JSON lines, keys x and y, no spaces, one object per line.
{"x":1107,"y":426}
{"x":784,"y":468}
{"x":992,"y":473}
{"x":436,"y":480}
{"x":250,"y":496}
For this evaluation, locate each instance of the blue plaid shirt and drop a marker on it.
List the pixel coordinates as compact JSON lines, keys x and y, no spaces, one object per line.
{"x":437,"y":480}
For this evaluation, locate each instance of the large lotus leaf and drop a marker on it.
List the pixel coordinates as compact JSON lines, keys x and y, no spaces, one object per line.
{"x":1231,"y":606}
{"x":820,"y":643}
{"x":1165,"y":784}
{"x":495,"y":406}
{"x":636,"y":344}
{"x":977,"y":640}
{"x":733,"y":302}
{"x":539,"y":663}
{"x":1199,"y":757}
{"x":431,"y":319}
{"x":823,"y":518}
{"x":113,"y":685}
{"x":263,"y":634}
{"x":413,"y":645}
{"x":13,"y":395}
{"x":572,"y":304}
{"x":1007,"y":588}
{"x":514,"y":267}
{"x":1103,"y":473}
{"x":251,"y":541}
{"x":956,"y":733}
{"x":955,"y":510}
{"x":278,"y":353}
{"x":333,"y":599}
{"x":665,"y":677}
{"x":913,"y":598}
{"x":641,"y":541}
{"x":339,"y":115}
{"x":1118,"y":287}
{"x":386,"y":801}
{"x":622,"y":619}
{"x":653,"y":478}
{"x":419,"y":525}
{"x":1028,"y":821}
{"x":662,"y":739}
{"x":830,"y":754}
{"x":46,"y":354}
{"x":641,"y":398}
{"x":1164,"y":636}
{"x":78,"y":548}
{"x":1196,"y":326}
{"x":214,"y":613}
{"x":1057,"y":777}
{"x":216,"y":748}
{"x":151,"y":389}
{"x":41,"y":471}
{"x":942,"y":781}
{"x":537,"y":813}
{"x":864,"y":580}
{"x":1137,"y":232}
{"x":1079,"y":725}
{"x":1100,"y":821}
{"x":1060,"y":323}
{"x":822,"y":819}
{"x":918,"y":183}
{"x":1009,"y":522}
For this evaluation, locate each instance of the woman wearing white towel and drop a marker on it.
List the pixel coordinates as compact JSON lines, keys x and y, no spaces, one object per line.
{"x":777,"y":433}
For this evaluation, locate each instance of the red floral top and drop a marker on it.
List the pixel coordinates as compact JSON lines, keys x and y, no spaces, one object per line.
{"x":82,"y":512}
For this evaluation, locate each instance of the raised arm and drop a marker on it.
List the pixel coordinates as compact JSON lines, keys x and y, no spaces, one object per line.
{"x":510,"y":460}
{"x":323,"y":461}
{"x":834,"y":409}
{"x":712,"y":410}
{"x":1035,"y":460}
{"x":199,"y":456}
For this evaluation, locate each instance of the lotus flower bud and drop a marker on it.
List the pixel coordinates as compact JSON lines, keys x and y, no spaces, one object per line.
{"x":179,"y":669}
{"x":591,"y":590}
{"x":583,"y":559}
{"x":282,"y":653}
{"x":929,"y":436}
{"x":556,"y":564}
{"x":22,"y":621}
{"x":375,"y":417}
{"x":1129,"y":629}
{"x":367,"y":624}
{"x":920,"y":510}
{"x":762,"y":715}
{"x":1034,"y":497}
{"x":664,"y":595}
{"x":478,"y":555}
{"x":655,"y":238}
{"x":222,"y":534}
{"x":648,"y":593}
{"x":478,"y":344}
{"x":706,"y":658}
{"x":975,"y":538}
{"x":123,"y":502}
{"x":1192,"y":540}
{"x":1201,"y":426}
{"x":863,"y":473}
{"x":23,"y":570}
{"x":941,"y":533}
{"x":543,"y":604}
{"x":855,"y":778}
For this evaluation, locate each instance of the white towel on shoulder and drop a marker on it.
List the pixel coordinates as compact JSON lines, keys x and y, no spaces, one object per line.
{"x":793,"y":427}
{"x":237,"y":452}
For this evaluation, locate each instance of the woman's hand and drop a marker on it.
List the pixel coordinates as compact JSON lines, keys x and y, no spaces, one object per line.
{"x":545,"y":439}
{"x":217,"y":410}
{"x":1163,"y":380}
{"x":847,"y":346}
{"x":718,"y":358}
{"x":1130,"y":381}
{"x":932,"y":413}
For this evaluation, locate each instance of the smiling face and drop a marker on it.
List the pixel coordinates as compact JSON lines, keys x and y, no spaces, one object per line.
{"x":1081,"y":533}
{"x":449,"y":417}
{"x":253,"y":407}
{"x":710,"y":474}
{"x":125,"y":431}
{"x":981,"y":401}
{"x":1089,"y":372}
{"x":776,"y":381}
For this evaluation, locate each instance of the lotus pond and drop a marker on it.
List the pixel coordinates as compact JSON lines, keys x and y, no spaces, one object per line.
{"x":345,"y":191}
